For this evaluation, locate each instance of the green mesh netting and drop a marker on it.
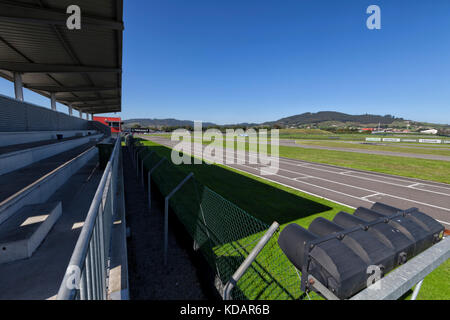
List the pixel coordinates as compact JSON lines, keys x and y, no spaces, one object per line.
{"x":226,"y":234}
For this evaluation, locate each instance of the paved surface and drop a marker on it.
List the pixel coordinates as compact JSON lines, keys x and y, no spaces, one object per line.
{"x":352,"y":187}
{"x":291,"y":143}
{"x":40,"y":277}
{"x":149,"y":279}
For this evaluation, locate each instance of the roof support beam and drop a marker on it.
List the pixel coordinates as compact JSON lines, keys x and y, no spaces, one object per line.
{"x":111,"y":104}
{"x":107,"y":109}
{"x":91,"y":99}
{"x":88,"y":107}
{"x":20,"y":13}
{"x":52,"y":68}
{"x":61,"y":89}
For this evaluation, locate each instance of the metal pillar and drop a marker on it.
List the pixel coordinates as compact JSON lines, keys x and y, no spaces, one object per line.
{"x":18,"y":86}
{"x":70,"y":111}
{"x":81,"y":114}
{"x":53,"y":101}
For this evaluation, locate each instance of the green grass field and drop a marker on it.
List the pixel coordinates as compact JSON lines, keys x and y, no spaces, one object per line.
{"x":425,"y":169}
{"x":270,"y":202}
{"x":392,"y":148}
{"x":316,"y":134}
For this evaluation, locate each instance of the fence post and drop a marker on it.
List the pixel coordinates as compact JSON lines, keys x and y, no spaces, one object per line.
{"x":248,"y":261}
{"x":142,"y":166}
{"x":166,"y":214}
{"x":137,"y":161}
{"x":135,"y":152}
{"x":416,"y":290}
{"x":150,"y":181}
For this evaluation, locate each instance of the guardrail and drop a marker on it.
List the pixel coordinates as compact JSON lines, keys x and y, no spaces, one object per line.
{"x":86,"y":275}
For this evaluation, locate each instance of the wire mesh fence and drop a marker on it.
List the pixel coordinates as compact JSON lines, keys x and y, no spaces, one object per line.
{"x":225,"y":235}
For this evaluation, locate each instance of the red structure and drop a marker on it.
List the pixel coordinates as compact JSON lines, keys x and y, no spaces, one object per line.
{"x":114,"y":123}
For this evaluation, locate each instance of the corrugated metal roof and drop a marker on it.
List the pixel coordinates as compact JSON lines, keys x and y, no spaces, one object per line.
{"x":82,"y":67}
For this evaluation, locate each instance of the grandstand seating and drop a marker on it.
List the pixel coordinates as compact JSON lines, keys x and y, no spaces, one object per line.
{"x":47,"y":181}
{"x":28,"y":137}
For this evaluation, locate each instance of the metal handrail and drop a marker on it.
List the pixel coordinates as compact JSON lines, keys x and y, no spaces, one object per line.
{"x":399,"y":281}
{"x":75,"y":273}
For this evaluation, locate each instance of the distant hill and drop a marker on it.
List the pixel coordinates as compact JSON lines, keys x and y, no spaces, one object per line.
{"x":323,"y":119}
{"x":331,"y":116}
{"x":176,"y":123}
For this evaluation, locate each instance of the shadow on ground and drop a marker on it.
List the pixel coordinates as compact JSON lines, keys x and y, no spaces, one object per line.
{"x":261,"y":200}
{"x":223,"y":233}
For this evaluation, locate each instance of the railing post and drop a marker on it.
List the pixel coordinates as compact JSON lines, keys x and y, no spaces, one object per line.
{"x":88,"y":271}
{"x":102,"y":251}
{"x":166,"y":214}
{"x":248,"y":261}
{"x":83,"y":286}
{"x":91,"y":250}
{"x":92,"y":271}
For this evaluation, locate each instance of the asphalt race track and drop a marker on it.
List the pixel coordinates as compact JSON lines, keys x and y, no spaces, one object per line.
{"x":291,"y":143}
{"x":353,"y":188}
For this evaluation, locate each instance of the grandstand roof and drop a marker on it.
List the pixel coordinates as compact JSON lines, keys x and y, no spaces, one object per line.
{"x":82,"y":67}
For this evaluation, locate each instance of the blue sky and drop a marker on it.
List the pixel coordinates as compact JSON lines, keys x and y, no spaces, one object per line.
{"x":229,"y":61}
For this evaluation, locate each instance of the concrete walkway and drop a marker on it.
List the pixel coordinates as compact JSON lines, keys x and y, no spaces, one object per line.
{"x":149,"y":279}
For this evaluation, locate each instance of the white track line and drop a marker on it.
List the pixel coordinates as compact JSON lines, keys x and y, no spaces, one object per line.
{"x":376,"y":180}
{"x":310,"y":184}
{"x":307,"y":192}
{"x":369,"y":190}
{"x":319,"y":196}
{"x":413,"y":185}
{"x":322,"y":165}
{"x":371,"y":195}
{"x":423,"y":182}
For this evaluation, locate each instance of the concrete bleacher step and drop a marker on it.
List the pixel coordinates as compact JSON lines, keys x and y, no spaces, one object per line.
{"x":22,"y":234}
{"x":39,"y":181}
{"x":17,"y":138}
{"x":18,"y":159}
